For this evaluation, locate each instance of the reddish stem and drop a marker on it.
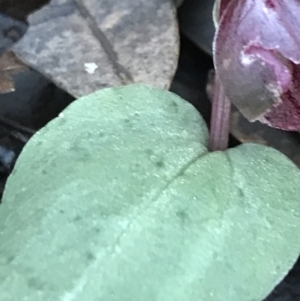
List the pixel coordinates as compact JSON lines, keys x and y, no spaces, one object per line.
{"x":220,"y":118}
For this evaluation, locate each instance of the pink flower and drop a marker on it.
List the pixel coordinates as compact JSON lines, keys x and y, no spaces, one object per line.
{"x":257,"y":59}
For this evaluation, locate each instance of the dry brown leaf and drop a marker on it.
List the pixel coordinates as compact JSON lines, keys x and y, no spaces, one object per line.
{"x":86,"y":45}
{"x":9,"y":64}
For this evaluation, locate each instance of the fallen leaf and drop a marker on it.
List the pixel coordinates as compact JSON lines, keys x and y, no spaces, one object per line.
{"x":9,"y":64}
{"x":127,"y":41}
{"x":126,"y":203}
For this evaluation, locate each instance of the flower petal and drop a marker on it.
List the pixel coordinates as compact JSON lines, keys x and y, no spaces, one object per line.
{"x":256,"y":52}
{"x":286,"y":115}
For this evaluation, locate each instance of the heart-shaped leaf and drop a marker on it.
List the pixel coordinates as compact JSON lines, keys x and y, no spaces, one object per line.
{"x":118,"y":199}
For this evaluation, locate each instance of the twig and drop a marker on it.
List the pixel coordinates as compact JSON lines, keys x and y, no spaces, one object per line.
{"x":14,"y":125}
{"x":20,"y":137}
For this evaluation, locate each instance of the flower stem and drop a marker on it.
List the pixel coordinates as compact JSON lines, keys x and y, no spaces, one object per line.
{"x":220,"y":118}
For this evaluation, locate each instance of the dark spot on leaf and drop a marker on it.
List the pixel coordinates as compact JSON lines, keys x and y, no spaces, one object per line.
{"x":62,"y":211}
{"x":229,"y":265}
{"x":44,"y":172}
{"x":101,"y":134}
{"x":160,"y":164}
{"x":181,"y":173}
{"x":182,"y":214}
{"x":77,"y":218}
{"x":81,"y":152}
{"x":149,"y":151}
{"x":90,"y":256}
{"x":35,"y":283}
{"x":135,"y":167}
{"x":10,"y":258}
{"x":128,"y":122}
{"x":88,"y":135}
{"x":174,"y":106}
{"x":241,"y":193}
{"x":97,"y":230}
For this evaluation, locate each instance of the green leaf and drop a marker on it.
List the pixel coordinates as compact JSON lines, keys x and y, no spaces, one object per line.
{"x":119,"y":200}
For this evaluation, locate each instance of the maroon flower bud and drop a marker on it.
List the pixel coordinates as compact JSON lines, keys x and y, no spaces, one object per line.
{"x":257,"y":59}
